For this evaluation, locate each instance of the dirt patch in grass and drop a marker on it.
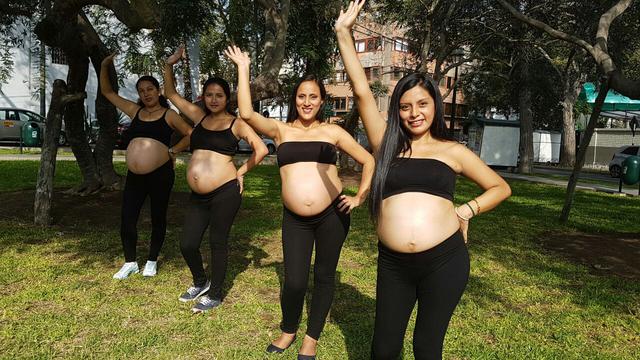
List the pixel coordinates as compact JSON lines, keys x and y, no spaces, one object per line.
{"x":603,"y":253}
{"x":101,"y":210}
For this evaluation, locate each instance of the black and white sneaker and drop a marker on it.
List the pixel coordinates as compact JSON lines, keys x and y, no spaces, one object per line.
{"x":205,"y":303}
{"x":194,"y":292}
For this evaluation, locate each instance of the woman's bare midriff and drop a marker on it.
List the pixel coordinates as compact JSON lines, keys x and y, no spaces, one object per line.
{"x":413,"y":221}
{"x":308,"y":188}
{"x":208,"y":170}
{"x":144,"y":155}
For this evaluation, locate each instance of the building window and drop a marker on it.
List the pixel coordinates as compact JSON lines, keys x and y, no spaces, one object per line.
{"x":375,"y":73}
{"x":373,"y":44}
{"x":58,"y":57}
{"x":340,"y":104}
{"x":397,"y":73}
{"x":401,"y":45}
{"x":367,"y":73}
{"x":360,"y":46}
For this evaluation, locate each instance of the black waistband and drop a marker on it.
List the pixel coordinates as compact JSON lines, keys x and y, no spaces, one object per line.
{"x":329,"y":209}
{"x":231,"y":184}
{"x":452,"y":243}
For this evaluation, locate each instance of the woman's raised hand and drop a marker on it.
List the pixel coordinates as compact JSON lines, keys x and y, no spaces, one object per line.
{"x":347,"y":18}
{"x":237,"y":56}
{"x":108,"y":60}
{"x":176,"y":56}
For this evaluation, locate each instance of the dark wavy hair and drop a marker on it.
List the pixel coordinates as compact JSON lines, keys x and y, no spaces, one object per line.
{"x":162,"y":100}
{"x":292,"y":115}
{"x":397,"y":139}
{"x":225,"y":87}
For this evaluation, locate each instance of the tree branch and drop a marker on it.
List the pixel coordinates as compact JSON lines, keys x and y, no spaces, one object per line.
{"x":546,"y":28}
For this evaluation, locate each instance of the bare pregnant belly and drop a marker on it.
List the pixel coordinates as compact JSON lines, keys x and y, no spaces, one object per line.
{"x":414,"y":221}
{"x":308,"y":188}
{"x":145,"y":155}
{"x":208,"y":170}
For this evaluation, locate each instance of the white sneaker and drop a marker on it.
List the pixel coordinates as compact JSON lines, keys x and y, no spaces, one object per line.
{"x":127,"y":269}
{"x":150,"y":268}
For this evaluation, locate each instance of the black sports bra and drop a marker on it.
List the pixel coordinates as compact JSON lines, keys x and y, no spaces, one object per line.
{"x":156,"y":129}
{"x":220,"y":141}
{"x":306,"y":151}
{"x":425,"y":175}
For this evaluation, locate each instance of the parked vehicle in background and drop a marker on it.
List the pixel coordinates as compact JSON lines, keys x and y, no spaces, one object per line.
{"x":13,"y":119}
{"x":243,"y":146}
{"x":123,"y":126}
{"x":615,"y":165}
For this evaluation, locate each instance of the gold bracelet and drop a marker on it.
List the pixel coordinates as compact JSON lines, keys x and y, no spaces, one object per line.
{"x":460,"y":216}
{"x":478,"y":205}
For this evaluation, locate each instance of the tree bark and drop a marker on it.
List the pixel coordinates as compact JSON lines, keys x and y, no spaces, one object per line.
{"x":46,"y":172}
{"x":44,"y":185}
{"x":526,"y":121}
{"x":582,"y":151}
{"x":106,"y":113}
{"x":74,"y":125}
{"x":350,"y":124}
{"x":572,"y":87}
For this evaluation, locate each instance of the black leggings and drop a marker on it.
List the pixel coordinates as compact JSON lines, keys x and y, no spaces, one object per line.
{"x":436,"y":278}
{"x":217,"y":208}
{"x":157,"y":184}
{"x":299,"y":233}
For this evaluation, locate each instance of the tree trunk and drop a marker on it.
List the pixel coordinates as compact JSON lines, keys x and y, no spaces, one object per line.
{"x":582,"y":151}
{"x":74,"y":125}
{"x":186,"y":75}
{"x":44,"y":186}
{"x":526,"y":121}
{"x":350,"y":125}
{"x":105,"y":111}
{"x":571,"y":89}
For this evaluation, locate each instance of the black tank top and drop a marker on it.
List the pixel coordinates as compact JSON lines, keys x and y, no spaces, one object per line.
{"x":425,"y":175}
{"x":156,"y":129}
{"x":306,"y":151}
{"x":220,"y":141}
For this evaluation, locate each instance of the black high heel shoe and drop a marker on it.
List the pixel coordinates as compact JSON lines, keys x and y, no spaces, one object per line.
{"x":306,"y":357}
{"x":271,"y":349}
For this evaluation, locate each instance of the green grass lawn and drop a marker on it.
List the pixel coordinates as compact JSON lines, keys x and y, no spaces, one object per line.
{"x":57,"y":298}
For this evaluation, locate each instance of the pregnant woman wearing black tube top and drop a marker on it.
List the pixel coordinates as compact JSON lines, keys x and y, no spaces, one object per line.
{"x":315,"y":212}
{"x":149,"y":162}
{"x":422,"y":253}
{"x":215,"y":183}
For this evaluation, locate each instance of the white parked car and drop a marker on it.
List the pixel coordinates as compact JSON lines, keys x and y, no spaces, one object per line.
{"x":243,"y":146}
{"x":12,"y":120}
{"x":615,"y":165}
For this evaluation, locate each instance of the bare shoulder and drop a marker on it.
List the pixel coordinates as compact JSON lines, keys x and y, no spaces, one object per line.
{"x":335,"y":130}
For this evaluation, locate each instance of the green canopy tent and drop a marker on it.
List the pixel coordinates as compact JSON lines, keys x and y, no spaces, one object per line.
{"x":615,"y":106}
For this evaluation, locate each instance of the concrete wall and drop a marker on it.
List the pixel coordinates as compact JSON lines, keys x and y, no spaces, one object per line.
{"x":605,"y":142}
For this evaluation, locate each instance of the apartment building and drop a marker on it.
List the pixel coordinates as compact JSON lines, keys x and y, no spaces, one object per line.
{"x":384,"y":54}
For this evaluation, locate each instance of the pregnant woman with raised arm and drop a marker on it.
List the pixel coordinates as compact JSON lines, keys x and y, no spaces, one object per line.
{"x":216,"y":185}
{"x":315,"y":211}
{"x":422,"y":234}
{"x":149,"y":159}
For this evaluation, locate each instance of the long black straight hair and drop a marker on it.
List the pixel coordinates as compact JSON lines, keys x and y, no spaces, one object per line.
{"x":397,"y":139}
{"x":162,"y":100}
{"x":292,"y":114}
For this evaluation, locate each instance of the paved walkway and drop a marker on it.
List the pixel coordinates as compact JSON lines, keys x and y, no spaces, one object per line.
{"x":563,"y":183}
